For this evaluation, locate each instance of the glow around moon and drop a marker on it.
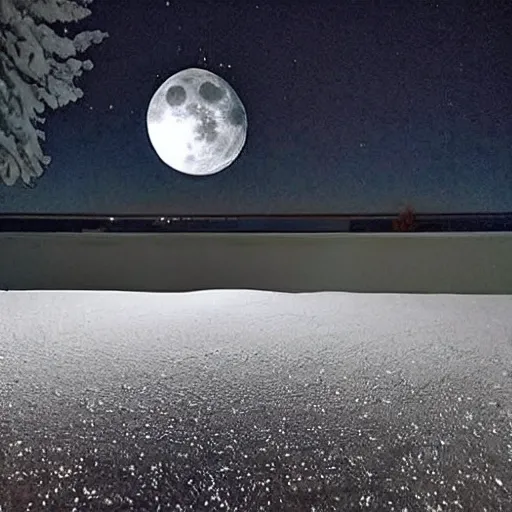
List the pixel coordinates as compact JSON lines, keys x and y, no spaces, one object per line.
{"x":196,"y":122}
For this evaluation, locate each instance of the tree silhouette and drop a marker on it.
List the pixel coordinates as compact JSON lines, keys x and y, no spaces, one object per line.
{"x":37,"y":70}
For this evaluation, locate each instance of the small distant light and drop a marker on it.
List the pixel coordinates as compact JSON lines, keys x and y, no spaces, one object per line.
{"x":168,"y":221}
{"x":111,"y":219}
{"x":111,"y":107}
{"x":162,"y":219}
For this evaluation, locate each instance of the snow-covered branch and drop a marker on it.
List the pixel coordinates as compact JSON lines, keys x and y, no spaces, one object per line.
{"x":37,"y":70}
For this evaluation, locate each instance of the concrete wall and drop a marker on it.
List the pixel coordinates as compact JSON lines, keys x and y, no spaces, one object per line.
{"x":410,"y":262}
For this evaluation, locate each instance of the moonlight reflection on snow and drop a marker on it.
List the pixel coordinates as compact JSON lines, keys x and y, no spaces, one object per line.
{"x":245,"y":400}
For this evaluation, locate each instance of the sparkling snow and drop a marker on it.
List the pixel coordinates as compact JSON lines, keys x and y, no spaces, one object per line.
{"x":248,"y":400}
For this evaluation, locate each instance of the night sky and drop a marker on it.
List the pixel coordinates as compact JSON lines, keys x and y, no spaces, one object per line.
{"x":352,"y":107}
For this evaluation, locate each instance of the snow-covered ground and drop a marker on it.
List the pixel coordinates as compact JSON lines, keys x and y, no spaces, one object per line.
{"x":249,"y":400}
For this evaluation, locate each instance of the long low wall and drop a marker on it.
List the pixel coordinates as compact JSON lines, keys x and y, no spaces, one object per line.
{"x":410,"y":262}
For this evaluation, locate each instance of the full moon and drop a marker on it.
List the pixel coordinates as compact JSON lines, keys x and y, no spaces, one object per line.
{"x":196,"y":122}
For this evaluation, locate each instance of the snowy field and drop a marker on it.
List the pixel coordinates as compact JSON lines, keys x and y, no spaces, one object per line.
{"x":250,"y":400}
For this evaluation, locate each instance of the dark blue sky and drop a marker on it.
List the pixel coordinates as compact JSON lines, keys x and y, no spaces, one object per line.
{"x":352,"y":106}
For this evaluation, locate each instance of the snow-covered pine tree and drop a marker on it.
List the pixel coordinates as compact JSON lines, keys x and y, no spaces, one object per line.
{"x":37,"y":70}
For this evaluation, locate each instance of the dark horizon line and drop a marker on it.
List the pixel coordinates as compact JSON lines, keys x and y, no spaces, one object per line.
{"x":341,"y":216}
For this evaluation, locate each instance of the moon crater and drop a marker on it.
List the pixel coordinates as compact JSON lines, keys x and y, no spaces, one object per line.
{"x":210,"y":92}
{"x":237,"y":116}
{"x":176,"y":95}
{"x":196,"y":122}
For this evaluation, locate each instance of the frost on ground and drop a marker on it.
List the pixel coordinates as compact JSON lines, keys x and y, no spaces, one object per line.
{"x":38,"y":68}
{"x":247,"y":400}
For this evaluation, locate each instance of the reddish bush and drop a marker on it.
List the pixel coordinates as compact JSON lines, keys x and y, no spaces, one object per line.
{"x":406,"y":220}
